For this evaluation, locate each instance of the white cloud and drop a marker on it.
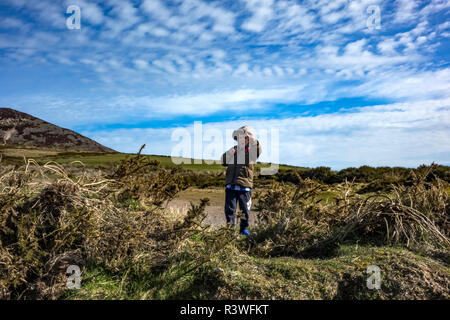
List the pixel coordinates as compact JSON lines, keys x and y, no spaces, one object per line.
{"x":223,"y":19}
{"x":434,"y":6}
{"x":357,"y":60}
{"x":157,"y":9}
{"x":123,"y":15}
{"x":11,"y":23}
{"x":192,"y":17}
{"x":90,"y":11}
{"x":141,"y":64}
{"x":165,"y":65}
{"x":410,"y":85}
{"x":209,"y":103}
{"x":262,"y":12}
{"x":406,"y":10}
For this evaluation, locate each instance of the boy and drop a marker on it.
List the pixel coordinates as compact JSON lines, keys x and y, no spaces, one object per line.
{"x":240,"y":161}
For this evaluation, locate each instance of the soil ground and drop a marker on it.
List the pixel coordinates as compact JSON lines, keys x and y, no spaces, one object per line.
{"x":215,"y":211}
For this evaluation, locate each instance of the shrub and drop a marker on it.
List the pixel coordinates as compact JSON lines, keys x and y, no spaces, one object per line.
{"x":295,"y":222}
{"x":289,"y":219}
{"x":49,"y":221}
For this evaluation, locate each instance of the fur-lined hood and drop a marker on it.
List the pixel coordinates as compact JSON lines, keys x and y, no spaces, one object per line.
{"x":245,"y":131}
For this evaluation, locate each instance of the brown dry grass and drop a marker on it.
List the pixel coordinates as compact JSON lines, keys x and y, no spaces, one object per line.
{"x":294,"y":221}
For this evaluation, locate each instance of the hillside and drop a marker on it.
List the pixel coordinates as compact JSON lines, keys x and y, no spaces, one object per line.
{"x":19,"y":129}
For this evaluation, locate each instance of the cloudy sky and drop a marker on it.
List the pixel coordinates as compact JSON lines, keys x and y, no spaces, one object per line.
{"x":343,"y":82}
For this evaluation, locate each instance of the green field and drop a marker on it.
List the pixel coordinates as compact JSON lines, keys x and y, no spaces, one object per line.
{"x":91,"y":158}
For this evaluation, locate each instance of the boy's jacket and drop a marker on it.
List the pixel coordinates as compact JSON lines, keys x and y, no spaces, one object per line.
{"x":240,"y":164}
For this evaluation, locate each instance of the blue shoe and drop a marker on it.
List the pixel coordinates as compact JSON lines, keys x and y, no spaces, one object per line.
{"x":245,"y":232}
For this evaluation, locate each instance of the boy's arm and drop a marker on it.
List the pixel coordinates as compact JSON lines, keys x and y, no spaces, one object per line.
{"x":228,"y":157}
{"x":258,"y":149}
{"x":224,"y":159}
{"x":255,"y":151}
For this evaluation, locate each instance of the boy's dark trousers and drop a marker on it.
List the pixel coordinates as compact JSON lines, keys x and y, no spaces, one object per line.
{"x":245,"y":200}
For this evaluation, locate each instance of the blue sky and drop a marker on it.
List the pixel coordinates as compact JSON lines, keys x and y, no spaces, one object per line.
{"x":339,"y":91}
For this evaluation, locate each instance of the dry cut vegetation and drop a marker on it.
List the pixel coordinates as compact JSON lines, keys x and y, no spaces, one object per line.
{"x":295,"y":221}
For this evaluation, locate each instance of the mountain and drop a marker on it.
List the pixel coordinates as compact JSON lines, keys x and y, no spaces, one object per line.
{"x":20,"y":129}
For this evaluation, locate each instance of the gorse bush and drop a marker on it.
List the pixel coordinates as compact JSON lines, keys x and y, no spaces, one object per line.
{"x":43,"y":222}
{"x":137,"y":179}
{"x":290,"y":218}
{"x":297,"y":221}
{"x":427,"y":194}
{"x":49,"y":221}
{"x":414,"y":216}
{"x":379,"y":177}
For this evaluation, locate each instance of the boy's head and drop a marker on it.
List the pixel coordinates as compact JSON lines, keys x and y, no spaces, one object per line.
{"x":244,"y":134}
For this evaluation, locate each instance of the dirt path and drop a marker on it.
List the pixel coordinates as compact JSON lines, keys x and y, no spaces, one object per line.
{"x":215,"y":211}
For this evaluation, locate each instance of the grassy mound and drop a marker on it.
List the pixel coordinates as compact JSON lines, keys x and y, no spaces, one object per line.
{"x":234,"y":274}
